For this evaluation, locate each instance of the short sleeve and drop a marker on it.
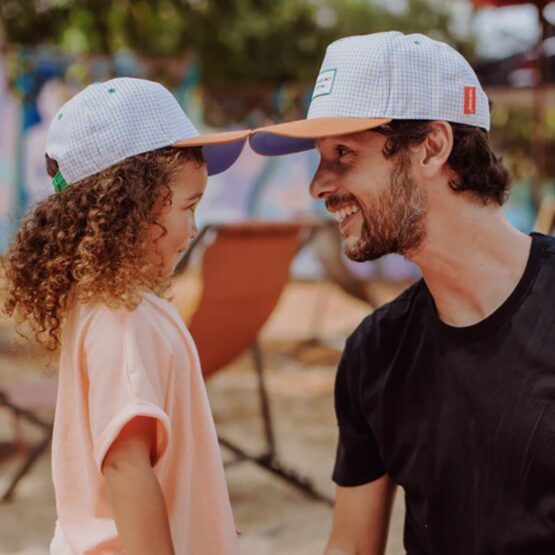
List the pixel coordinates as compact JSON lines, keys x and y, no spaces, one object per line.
{"x":128,"y":367}
{"x":358,"y":460}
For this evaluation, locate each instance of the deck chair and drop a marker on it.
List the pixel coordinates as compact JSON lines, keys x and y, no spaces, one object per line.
{"x":22,"y":400}
{"x":242,"y":270}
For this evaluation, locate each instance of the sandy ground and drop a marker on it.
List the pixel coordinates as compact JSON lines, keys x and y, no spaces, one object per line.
{"x":273,"y":516}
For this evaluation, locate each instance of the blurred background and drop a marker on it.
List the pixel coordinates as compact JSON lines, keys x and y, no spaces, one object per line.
{"x":234,"y":64}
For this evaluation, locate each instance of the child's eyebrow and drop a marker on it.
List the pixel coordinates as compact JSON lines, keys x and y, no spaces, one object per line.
{"x":194,"y":197}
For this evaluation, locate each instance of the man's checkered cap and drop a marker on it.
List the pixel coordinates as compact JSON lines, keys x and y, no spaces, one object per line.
{"x":109,"y":122}
{"x":383,"y":76}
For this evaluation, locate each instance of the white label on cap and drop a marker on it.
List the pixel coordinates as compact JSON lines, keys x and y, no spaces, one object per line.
{"x":324,"y":83}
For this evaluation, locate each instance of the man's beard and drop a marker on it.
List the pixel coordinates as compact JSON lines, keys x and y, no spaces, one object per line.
{"x":394,"y":221}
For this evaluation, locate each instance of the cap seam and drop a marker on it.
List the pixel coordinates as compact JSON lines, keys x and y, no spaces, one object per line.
{"x":86,"y":109}
{"x":158,"y":111}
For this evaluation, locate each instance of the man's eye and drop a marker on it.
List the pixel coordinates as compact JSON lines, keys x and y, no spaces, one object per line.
{"x":341,"y":151}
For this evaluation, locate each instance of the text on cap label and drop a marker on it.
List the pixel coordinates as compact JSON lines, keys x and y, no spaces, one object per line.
{"x":324,"y":83}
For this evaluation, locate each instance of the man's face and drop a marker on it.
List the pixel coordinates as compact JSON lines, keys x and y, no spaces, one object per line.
{"x":379,"y":206}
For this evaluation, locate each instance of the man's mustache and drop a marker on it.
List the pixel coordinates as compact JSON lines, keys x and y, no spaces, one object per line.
{"x":340,"y":200}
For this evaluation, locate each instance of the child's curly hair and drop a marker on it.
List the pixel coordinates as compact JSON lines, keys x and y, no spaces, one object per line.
{"x":89,"y":242}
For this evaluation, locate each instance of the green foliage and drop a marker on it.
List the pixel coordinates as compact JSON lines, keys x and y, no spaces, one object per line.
{"x":235,"y":40}
{"x":513,"y":133}
{"x":23,"y":23}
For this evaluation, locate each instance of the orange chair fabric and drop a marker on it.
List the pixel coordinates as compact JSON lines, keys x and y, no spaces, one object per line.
{"x":243,"y":273}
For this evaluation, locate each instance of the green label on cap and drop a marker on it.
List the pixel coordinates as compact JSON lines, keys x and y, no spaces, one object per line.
{"x":59,"y":182}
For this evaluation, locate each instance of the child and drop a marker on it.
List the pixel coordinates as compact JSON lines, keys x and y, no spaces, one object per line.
{"x":135,"y":457}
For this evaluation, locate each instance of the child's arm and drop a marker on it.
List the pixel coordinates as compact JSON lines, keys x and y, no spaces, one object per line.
{"x":137,"y":502}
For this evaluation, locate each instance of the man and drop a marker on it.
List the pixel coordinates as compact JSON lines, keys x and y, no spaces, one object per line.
{"x":448,"y":390}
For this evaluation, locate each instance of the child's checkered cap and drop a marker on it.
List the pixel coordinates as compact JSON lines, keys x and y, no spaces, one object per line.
{"x":109,"y":122}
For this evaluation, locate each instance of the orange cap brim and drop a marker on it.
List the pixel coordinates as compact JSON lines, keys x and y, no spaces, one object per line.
{"x":214,"y":138}
{"x":220,"y":150}
{"x":296,"y":136}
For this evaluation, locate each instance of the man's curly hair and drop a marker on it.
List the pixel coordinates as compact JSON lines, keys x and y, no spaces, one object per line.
{"x":478,"y":169}
{"x":88,"y":243}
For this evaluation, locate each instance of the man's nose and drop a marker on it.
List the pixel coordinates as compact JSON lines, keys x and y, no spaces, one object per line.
{"x":323,"y":183}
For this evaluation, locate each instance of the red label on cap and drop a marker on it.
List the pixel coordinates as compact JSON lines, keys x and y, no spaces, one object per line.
{"x":470,"y":100}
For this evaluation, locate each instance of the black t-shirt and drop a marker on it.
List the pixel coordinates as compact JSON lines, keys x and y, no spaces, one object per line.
{"x":462,"y":418}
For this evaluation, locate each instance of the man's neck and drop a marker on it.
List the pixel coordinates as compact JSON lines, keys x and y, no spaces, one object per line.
{"x":471,"y":260}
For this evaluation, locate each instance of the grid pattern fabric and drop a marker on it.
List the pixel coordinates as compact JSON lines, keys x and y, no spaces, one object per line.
{"x":108,"y":122}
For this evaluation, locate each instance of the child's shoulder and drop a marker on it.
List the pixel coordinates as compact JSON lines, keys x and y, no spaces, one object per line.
{"x":116,"y":316}
{"x":154,"y":322}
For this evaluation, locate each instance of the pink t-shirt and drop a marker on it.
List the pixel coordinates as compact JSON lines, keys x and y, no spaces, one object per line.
{"x":116,"y":365}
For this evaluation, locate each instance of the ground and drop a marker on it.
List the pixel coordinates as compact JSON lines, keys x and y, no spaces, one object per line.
{"x":272,"y":516}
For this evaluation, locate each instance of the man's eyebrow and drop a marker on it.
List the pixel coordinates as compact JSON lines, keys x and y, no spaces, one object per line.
{"x":358,"y":137}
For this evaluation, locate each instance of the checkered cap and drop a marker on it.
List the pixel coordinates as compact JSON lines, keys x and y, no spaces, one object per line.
{"x":366,"y":81}
{"x":109,"y":122}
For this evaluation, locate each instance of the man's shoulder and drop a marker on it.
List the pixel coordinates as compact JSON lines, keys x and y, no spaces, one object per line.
{"x":548,"y":245}
{"x":544,"y":284}
{"x":388,"y":321}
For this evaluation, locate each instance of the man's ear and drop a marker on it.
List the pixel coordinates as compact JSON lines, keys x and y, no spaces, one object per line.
{"x":431,"y":155}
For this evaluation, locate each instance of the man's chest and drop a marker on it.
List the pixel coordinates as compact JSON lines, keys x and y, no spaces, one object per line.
{"x":482,"y":412}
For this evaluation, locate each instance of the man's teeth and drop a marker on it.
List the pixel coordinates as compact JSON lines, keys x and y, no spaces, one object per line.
{"x":341,"y":214}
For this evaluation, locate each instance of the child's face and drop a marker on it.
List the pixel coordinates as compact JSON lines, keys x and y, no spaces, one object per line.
{"x":178,"y":219}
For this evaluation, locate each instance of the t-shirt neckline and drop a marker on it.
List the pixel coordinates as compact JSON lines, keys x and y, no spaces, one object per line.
{"x":505,"y":310}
